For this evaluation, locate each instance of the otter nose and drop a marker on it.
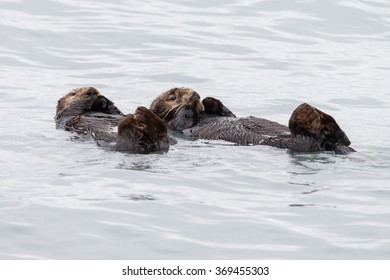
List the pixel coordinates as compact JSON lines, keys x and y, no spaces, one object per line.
{"x":91,"y":91}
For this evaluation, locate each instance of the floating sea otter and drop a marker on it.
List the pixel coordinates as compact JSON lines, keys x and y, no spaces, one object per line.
{"x":309,"y":129}
{"x":86,"y":111}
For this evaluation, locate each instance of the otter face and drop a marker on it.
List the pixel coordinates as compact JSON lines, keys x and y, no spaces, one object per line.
{"x":143,"y":132}
{"x":84,"y":100}
{"x":74,"y":95}
{"x":169,"y":104}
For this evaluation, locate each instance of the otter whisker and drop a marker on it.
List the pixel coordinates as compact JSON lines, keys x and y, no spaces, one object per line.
{"x":178,"y":109}
{"x":171,"y":111}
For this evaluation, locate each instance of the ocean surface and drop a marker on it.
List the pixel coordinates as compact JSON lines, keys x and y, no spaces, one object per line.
{"x":63,"y":197}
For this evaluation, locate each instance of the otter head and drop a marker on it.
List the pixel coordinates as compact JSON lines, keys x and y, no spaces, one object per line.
{"x":308,"y":120}
{"x":142,"y":132}
{"x":75,"y":95}
{"x":178,"y":107}
{"x":84,"y":100}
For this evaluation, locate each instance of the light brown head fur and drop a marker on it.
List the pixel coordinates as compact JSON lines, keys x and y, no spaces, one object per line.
{"x":81,"y":101}
{"x":74,"y":95}
{"x":169,"y":103}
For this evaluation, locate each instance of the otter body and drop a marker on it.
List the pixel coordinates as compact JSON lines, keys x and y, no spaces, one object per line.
{"x":243,"y":131}
{"x":309,"y":129}
{"x":87,"y":112}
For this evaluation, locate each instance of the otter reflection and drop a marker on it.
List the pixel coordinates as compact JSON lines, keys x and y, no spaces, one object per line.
{"x":87,"y":112}
{"x":309,"y":129}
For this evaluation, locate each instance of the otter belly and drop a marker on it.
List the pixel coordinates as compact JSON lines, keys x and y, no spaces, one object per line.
{"x":99,"y":127}
{"x":243,"y":131}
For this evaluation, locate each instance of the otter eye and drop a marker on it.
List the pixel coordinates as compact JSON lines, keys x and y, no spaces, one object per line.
{"x":172,"y":97}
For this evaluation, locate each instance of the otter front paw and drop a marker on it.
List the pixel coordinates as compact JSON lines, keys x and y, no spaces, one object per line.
{"x":214,"y":106}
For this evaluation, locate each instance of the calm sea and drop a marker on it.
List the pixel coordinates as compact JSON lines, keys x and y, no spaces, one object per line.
{"x":65,"y":198}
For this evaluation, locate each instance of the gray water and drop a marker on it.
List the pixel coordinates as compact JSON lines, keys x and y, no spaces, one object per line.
{"x":65,"y":198}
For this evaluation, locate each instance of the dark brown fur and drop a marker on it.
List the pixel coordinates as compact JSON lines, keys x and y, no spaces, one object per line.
{"x":168,"y":103}
{"x":143,"y":132}
{"x":311,"y":129}
{"x":308,"y":120}
{"x":85,"y":111}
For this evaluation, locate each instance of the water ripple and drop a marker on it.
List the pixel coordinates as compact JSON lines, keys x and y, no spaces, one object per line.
{"x":62,"y":197}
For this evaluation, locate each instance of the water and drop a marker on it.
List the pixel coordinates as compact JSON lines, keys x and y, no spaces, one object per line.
{"x":65,"y":198}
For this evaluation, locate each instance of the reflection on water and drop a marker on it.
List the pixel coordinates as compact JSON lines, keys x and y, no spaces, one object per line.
{"x":312,"y":162}
{"x":311,"y":205}
{"x":140,"y":166}
{"x":202,"y":199}
{"x":313,"y":191}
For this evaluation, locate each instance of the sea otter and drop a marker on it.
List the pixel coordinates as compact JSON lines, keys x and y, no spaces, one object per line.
{"x":309,"y":129}
{"x":86,"y":111}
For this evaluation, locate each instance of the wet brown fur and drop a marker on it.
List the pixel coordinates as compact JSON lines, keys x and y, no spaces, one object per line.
{"x":167,"y":104}
{"x":86,"y":111}
{"x":311,"y":129}
{"x":74,"y":95}
{"x":308,"y":120}
{"x":143,"y":131}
